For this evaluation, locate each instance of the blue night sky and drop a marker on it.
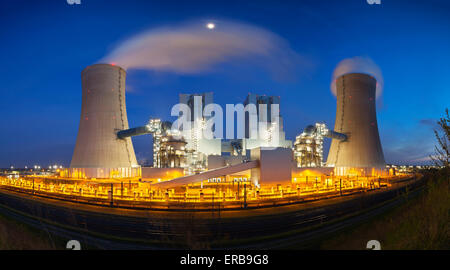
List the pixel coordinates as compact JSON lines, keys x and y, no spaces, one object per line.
{"x":45,"y":45}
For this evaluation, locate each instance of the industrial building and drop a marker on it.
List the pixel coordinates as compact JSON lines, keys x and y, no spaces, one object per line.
{"x":198,"y":148}
{"x":308,"y":146}
{"x":269,"y":123}
{"x":172,"y":153}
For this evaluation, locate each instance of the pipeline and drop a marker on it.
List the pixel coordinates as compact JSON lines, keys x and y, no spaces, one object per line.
{"x":122,"y":134}
{"x":335,"y":135}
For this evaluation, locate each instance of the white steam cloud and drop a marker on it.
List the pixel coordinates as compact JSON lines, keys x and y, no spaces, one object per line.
{"x":361,"y":65}
{"x":196,"y":48}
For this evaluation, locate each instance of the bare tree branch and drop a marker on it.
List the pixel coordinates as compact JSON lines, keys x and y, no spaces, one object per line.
{"x":442,"y":149}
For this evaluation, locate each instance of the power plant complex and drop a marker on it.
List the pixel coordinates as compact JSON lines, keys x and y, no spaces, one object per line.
{"x":210,"y":159}
{"x":104,"y":149}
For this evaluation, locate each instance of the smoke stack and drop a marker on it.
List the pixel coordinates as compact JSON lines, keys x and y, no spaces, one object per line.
{"x":98,"y":152}
{"x":356,"y":117}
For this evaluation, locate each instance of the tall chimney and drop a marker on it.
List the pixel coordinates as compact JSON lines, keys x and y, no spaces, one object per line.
{"x":98,"y":152}
{"x":356,"y":117}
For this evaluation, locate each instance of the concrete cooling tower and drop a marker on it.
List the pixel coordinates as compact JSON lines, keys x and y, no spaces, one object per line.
{"x":98,"y":152}
{"x":356,"y":117}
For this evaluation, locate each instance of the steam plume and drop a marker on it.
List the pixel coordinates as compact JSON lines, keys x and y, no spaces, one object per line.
{"x":360,"y":65}
{"x":193,"y":48}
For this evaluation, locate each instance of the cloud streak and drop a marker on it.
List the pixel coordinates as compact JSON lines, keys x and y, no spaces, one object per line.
{"x":193,"y":48}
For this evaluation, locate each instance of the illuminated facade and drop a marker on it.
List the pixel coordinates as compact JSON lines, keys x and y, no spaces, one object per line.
{"x":308,"y":147}
{"x":197,"y":147}
{"x":172,"y":152}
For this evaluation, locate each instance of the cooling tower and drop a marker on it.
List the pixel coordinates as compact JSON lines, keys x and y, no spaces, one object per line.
{"x":98,"y":152}
{"x":356,"y":117}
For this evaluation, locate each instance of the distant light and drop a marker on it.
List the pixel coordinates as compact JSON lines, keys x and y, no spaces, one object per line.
{"x":113,"y":64}
{"x":211,"y":26}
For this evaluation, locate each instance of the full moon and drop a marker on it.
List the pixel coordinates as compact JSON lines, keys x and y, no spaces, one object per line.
{"x":210,"y":26}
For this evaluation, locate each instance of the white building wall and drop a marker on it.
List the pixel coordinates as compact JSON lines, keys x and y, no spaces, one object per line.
{"x":275,"y":166}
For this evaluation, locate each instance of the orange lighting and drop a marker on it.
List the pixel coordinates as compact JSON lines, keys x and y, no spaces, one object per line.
{"x":229,"y":192}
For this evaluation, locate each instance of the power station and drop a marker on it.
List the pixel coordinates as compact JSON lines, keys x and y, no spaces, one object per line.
{"x":259,"y":168}
{"x":104,"y":148}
